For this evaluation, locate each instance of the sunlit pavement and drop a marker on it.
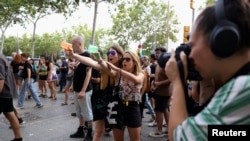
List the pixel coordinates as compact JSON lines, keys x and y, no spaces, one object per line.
{"x":53,"y":122}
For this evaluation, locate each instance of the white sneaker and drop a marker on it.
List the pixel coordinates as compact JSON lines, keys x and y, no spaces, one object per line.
{"x":19,"y":107}
{"x":152,"y":124}
{"x":165,"y":133}
{"x":156,"y":134}
{"x":151,"y":120}
{"x":164,"y":123}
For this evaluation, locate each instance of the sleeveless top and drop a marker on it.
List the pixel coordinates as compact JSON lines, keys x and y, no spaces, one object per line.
{"x":130,"y":91}
{"x":42,"y":70}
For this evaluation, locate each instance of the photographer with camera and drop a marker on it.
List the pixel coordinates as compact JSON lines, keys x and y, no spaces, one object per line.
{"x":220,"y":50}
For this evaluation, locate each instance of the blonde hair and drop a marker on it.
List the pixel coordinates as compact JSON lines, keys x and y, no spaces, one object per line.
{"x":137,"y":68}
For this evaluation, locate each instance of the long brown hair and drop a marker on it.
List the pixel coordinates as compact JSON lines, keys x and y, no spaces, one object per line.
{"x":120,"y":52}
{"x":18,"y":59}
{"x":106,"y":79}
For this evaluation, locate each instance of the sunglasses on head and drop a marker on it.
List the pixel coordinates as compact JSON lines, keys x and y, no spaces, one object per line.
{"x":113,"y":53}
{"x":126,"y":59}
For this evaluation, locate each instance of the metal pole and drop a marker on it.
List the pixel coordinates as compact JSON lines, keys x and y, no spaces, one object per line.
{"x":155,"y":40}
{"x":94,"y":23}
{"x":193,"y":13}
{"x":17,"y":47}
{"x":168,"y":23}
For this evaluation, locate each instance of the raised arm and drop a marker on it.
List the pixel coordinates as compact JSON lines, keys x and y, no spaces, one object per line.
{"x":138,"y":79}
{"x":98,"y":65}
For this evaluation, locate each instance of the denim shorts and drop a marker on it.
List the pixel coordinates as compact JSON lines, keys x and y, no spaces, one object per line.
{"x":83,"y":106}
{"x":69,"y":82}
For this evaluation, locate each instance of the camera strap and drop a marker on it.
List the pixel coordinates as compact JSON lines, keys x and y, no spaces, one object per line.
{"x":184,"y":83}
{"x":181,"y":70}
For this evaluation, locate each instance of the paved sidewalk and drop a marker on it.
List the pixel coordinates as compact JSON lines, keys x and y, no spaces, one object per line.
{"x":53,"y":122}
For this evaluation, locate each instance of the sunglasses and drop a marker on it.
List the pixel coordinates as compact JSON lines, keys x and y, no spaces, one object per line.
{"x":113,"y":53}
{"x":126,"y":59}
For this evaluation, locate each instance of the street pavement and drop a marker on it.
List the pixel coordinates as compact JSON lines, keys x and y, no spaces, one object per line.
{"x":53,"y":122}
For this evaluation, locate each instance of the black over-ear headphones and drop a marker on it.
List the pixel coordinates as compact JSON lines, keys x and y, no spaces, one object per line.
{"x":225,"y":37}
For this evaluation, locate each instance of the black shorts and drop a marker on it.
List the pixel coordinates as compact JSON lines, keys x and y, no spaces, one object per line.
{"x":132,"y":115}
{"x":43,"y":77}
{"x":6,"y":105}
{"x":151,"y":95}
{"x":161,"y":103}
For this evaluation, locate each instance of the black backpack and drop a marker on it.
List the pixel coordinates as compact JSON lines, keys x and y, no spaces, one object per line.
{"x":33,"y":72}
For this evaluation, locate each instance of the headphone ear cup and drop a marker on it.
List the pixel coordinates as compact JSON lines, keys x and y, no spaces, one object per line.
{"x":225,"y":39}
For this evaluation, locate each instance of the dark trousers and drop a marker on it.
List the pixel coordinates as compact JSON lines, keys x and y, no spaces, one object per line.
{"x":142,"y":104}
{"x":62,"y":82}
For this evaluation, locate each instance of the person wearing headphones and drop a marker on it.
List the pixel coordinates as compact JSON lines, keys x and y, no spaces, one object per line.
{"x":220,"y":50}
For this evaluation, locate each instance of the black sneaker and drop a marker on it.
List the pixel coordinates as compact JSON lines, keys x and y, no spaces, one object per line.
{"x":88,"y":138}
{"x":38,"y":106}
{"x":107,"y":130}
{"x":73,"y":114}
{"x":21,"y":122}
{"x":78,"y":134}
{"x":19,"y":139}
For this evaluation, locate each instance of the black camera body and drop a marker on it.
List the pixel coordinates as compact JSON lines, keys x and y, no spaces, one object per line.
{"x":192,"y":73}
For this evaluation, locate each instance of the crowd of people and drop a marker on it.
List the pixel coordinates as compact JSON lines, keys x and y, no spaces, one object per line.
{"x":112,"y":92}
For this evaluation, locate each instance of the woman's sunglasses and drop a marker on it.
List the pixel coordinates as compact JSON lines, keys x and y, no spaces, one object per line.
{"x":126,"y":59}
{"x":113,"y":53}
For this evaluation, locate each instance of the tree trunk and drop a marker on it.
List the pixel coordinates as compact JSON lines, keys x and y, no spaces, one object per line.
{"x":2,"y":43}
{"x":33,"y":41}
{"x":94,"y":23}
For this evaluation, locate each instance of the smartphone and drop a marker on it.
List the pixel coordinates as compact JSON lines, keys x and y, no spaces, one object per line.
{"x":94,"y":51}
{"x":96,"y":55}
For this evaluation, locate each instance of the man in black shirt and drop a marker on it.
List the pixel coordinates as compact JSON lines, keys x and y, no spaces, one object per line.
{"x":7,"y":90}
{"x":83,"y":91}
{"x":28,"y":80}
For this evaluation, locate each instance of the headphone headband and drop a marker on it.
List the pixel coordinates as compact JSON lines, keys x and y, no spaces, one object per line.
{"x":220,"y":11}
{"x":225,"y":37}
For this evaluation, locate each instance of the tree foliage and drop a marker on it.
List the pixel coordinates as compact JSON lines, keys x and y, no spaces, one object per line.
{"x":48,"y":44}
{"x":8,"y":16}
{"x":144,"y":21}
{"x":22,"y":11}
{"x":147,"y":22}
{"x":34,"y":10}
{"x":209,"y":2}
